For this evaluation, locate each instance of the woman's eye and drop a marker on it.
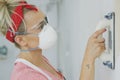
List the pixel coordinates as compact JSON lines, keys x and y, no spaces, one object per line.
{"x":46,"y":19}
{"x":41,"y":26}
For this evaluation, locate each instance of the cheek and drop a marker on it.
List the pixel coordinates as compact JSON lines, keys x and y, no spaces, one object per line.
{"x":33,"y":42}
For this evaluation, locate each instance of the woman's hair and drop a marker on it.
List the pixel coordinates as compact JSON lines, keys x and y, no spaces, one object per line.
{"x":6,"y":9}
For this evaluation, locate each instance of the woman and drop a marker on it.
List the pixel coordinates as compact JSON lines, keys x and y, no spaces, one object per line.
{"x":27,"y":27}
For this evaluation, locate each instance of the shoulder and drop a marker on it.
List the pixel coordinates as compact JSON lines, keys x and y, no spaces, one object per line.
{"x":23,"y":72}
{"x":29,"y":74}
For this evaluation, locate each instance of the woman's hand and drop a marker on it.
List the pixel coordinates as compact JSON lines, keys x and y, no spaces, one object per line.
{"x":95,"y":46}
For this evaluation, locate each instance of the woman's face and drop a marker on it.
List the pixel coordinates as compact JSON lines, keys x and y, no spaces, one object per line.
{"x":33,"y":21}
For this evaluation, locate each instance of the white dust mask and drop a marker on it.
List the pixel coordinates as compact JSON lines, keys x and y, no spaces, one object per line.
{"x":47,"y":37}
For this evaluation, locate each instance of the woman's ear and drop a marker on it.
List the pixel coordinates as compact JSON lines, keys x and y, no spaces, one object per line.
{"x":20,"y":40}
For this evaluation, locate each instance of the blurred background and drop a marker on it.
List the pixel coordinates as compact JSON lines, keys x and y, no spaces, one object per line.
{"x":74,"y":21}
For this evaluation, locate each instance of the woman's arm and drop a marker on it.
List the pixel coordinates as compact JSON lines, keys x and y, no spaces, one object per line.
{"x":94,"y":49}
{"x":87,"y":70}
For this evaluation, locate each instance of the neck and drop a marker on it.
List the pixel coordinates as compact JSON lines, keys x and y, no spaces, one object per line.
{"x":34,"y":55}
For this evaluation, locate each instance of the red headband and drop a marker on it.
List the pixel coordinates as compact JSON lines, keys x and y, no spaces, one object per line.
{"x":17,"y":19}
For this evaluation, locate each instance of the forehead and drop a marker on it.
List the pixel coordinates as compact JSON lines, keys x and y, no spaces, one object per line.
{"x":32,"y":18}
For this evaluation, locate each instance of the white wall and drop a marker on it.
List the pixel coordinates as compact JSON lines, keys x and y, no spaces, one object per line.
{"x":77,"y":21}
{"x":117,"y":11}
{"x":6,"y":66}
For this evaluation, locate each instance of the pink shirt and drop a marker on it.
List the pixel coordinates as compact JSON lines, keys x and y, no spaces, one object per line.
{"x":24,"y":70}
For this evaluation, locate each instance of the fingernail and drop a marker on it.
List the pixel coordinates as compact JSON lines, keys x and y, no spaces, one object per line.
{"x":105,"y":29}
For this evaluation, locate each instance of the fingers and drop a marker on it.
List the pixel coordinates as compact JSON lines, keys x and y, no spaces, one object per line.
{"x":101,"y":45}
{"x":98,"y":33}
{"x":96,"y":43}
{"x":102,"y":40}
{"x":100,"y":50}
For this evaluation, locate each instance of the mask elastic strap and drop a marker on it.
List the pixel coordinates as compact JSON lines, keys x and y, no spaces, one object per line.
{"x":28,"y":50}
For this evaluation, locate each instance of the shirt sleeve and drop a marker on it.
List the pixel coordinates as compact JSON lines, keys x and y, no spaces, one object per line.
{"x":31,"y":75}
